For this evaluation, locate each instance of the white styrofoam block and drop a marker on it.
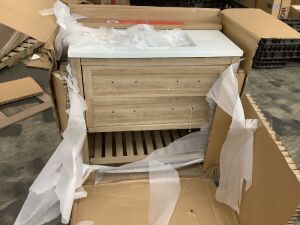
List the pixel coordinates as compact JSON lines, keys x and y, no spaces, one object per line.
{"x":207,"y":43}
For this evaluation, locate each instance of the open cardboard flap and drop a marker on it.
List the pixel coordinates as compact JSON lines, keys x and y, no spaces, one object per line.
{"x":127,"y":202}
{"x":275,"y":191}
{"x":245,"y":28}
{"x":24,"y":17}
{"x":19,"y":89}
{"x":272,"y":198}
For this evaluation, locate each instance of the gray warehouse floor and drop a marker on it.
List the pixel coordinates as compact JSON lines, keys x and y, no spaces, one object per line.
{"x":27,"y":145}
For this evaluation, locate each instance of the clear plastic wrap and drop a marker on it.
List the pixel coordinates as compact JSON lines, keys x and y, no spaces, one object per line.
{"x":138,"y":36}
{"x":236,"y":160}
{"x":59,"y":183}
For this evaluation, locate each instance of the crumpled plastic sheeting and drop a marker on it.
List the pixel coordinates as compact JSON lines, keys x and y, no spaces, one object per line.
{"x":236,"y":159}
{"x":59,"y":183}
{"x":185,"y":151}
{"x":138,"y":36}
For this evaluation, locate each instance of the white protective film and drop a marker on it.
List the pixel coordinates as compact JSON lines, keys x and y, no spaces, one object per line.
{"x":236,"y":160}
{"x":59,"y":182}
{"x":185,"y":151}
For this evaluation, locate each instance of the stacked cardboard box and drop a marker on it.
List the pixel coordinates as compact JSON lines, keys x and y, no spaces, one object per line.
{"x":277,"y":8}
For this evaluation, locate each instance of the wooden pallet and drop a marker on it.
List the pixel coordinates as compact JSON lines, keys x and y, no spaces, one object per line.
{"x":25,"y":49}
{"x":125,"y":147}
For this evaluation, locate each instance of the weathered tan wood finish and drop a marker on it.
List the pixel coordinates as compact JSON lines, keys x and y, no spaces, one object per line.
{"x":121,"y":94}
{"x":125,"y":147}
{"x":147,"y":94}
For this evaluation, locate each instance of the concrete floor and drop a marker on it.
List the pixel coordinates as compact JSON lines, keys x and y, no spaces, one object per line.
{"x":26,"y":146}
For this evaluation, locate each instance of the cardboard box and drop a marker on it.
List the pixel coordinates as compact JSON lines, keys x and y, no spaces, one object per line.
{"x":294,"y":12}
{"x":262,"y":204}
{"x":245,"y":28}
{"x":295,"y":2}
{"x":61,"y":95}
{"x":274,"y":195}
{"x":277,"y":8}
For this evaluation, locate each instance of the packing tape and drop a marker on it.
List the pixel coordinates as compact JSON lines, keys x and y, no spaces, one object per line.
{"x":85,"y":223}
{"x":46,"y":12}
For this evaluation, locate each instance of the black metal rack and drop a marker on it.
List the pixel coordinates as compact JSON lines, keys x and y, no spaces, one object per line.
{"x":275,"y":53}
{"x":294,"y":23}
{"x":182,"y":3}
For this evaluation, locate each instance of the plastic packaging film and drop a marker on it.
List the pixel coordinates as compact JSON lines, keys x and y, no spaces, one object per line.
{"x":60,"y":182}
{"x":236,"y":160}
{"x":164,"y":192}
{"x":185,"y":151}
{"x":138,"y":36}
{"x":54,"y":189}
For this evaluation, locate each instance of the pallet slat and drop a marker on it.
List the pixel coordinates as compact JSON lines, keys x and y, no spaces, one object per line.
{"x":126,"y":147}
{"x":129,"y":147}
{"x":98,"y":145}
{"x":149,"y":143}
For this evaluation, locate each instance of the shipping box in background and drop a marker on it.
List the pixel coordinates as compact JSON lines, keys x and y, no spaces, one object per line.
{"x":294,"y":12}
{"x":274,"y":194}
{"x":277,"y":8}
{"x":247,"y":3}
{"x":255,"y":27}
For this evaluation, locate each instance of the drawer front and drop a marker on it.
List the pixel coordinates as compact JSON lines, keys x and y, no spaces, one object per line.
{"x":146,"y":112}
{"x":149,"y":81}
{"x":149,"y":94}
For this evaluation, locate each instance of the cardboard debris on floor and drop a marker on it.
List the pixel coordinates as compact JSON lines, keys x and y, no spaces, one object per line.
{"x":42,"y":62}
{"x":18,"y":90}
{"x":24,"y":49}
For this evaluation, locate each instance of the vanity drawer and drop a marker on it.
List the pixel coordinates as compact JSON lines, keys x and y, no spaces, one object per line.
{"x":144,"y":113}
{"x":144,"y":81}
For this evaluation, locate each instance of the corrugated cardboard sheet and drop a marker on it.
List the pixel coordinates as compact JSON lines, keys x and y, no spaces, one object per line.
{"x":245,"y":28}
{"x":24,"y":17}
{"x":18,"y":89}
{"x":263,"y":203}
{"x":62,"y":102}
{"x":9,"y":39}
{"x":127,"y":202}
